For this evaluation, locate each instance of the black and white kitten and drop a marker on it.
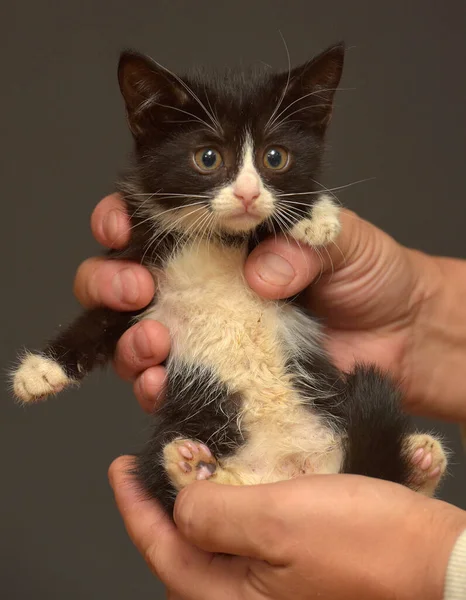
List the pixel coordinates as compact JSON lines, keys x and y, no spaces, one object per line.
{"x":252,"y":397}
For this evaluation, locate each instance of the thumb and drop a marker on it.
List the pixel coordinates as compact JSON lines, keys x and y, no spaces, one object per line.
{"x":280,"y":267}
{"x":183,"y":568}
{"x":244,"y":521}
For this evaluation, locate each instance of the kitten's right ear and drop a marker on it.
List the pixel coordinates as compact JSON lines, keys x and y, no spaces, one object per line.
{"x":149,"y":91}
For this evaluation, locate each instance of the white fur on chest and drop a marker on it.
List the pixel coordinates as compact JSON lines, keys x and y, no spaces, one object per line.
{"x":217,"y":321}
{"x":214,"y":318}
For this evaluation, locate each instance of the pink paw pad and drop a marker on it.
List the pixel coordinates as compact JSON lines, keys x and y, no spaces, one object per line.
{"x":197,"y":460}
{"x":205,"y":470}
{"x":429,"y":462}
{"x":422,"y":458}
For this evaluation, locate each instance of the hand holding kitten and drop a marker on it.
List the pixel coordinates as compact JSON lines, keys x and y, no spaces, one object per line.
{"x":331,"y":536}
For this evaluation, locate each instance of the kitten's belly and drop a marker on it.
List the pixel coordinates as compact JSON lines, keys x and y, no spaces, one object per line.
{"x":215,"y":320}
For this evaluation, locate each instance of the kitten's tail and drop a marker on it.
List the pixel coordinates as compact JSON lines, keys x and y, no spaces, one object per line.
{"x":376,"y":427}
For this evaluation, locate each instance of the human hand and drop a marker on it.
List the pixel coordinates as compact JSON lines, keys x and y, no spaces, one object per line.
{"x":322,"y":536}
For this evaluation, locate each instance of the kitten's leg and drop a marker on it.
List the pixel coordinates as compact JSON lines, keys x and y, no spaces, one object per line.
{"x":428,"y":462}
{"x":88,"y":342}
{"x":322,"y":226}
{"x":198,"y":407}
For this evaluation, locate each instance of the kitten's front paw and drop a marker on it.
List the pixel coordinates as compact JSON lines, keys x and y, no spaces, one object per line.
{"x":38,"y":377}
{"x":428,"y":462}
{"x":187,"y":461}
{"x":323,"y":225}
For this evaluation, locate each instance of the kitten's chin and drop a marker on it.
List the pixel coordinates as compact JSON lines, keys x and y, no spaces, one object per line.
{"x":240,"y":223}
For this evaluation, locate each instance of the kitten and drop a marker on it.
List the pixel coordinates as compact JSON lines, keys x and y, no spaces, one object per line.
{"x":252,"y":397}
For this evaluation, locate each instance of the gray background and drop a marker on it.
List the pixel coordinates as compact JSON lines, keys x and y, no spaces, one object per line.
{"x":63,"y":136}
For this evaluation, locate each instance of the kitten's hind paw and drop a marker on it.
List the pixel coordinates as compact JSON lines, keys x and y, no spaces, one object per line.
{"x":428,"y":462}
{"x":38,"y":377}
{"x":187,"y":461}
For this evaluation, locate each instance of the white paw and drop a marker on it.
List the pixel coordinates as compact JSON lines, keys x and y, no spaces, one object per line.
{"x":323,"y":225}
{"x":187,"y":461}
{"x":428,"y":462}
{"x":38,"y":377}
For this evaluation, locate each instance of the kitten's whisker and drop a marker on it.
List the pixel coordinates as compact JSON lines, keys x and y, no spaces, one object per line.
{"x":209,"y":229}
{"x":283,"y":227}
{"x":314,"y":93}
{"x":191,"y":231}
{"x":170,"y":194}
{"x":308,"y":107}
{"x":270,"y":221}
{"x":329,"y":190}
{"x":292,"y":219}
{"x":331,"y":263}
{"x":166,"y":229}
{"x":316,"y":250}
{"x":185,"y":112}
{"x":291,"y":206}
{"x":159,"y":214}
{"x":341,"y":187}
{"x":212,"y":112}
{"x":190,"y":92}
{"x":340,"y":251}
{"x":161,"y":193}
{"x":196,"y":234}
{"x":277,"y":107}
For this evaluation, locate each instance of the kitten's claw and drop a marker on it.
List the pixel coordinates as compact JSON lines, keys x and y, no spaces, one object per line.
{"x":38,"y":377}
{"x":428,"y":462}
{"x":187,"y":461}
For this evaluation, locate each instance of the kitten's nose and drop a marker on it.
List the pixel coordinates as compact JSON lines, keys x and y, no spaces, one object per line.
{"x":246,"y":189}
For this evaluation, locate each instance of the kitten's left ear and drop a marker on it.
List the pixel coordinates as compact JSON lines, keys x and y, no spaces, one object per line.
{"x":312,"y":86}
{"x":151,"y":92}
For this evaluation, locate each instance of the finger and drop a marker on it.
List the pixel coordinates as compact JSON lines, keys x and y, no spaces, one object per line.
{"x":110,"y":222}
{"x":187,"y":571}
{"x":144,"y":345}
{"x":119,"y":285}
{"x":280,"y":268}
{"x":240,"y":520}
{"x":149,"y":388}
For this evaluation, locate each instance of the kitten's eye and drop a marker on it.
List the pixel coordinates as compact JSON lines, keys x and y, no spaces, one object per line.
{"x":208,"y":159}
{"x":276,"y":158}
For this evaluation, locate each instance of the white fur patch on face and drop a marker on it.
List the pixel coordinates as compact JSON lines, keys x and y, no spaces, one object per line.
{"x":245,"y":203}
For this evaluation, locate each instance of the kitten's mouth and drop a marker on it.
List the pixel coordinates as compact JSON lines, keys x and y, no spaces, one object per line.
{"x":241,"y":220}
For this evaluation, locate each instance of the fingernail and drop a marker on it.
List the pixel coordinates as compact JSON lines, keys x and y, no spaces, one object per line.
{"x":141,"y":343}
{"x":274,"y":269}
{"x":111,"y":225}
{"x":125,"y":286}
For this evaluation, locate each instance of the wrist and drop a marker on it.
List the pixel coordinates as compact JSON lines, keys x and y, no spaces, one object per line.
{"x":443,"y":525}
{"x":434,"y":367}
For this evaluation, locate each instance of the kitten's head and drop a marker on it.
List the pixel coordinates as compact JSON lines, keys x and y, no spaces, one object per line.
{"x":233,"y":152}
